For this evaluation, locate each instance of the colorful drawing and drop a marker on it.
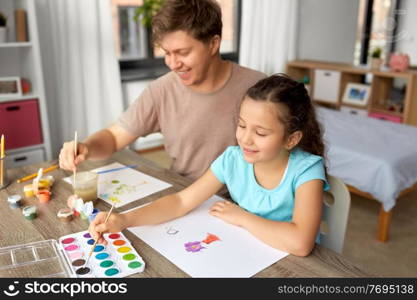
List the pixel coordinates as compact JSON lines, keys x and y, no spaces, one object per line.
{"x":197,"y":247}
{"x":211,"y":238}
{"x":193,"y":246}
{"x":119,"y":190}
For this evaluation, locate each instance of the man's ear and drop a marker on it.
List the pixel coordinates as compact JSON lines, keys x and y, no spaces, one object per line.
{"x":293,"y":140}
{"x":215,"y":44}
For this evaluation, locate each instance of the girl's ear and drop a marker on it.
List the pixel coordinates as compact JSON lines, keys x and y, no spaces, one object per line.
{"x":293,"y":140}
{"x":215,"y":45}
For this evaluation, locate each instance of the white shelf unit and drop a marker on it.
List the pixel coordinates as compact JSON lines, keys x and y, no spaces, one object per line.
{"x":23,"y":59}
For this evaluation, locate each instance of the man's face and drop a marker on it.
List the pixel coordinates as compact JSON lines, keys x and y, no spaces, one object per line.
{"x":188,"y":57}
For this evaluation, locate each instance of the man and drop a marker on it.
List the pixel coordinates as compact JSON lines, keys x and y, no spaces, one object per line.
{"x":194,"y":106}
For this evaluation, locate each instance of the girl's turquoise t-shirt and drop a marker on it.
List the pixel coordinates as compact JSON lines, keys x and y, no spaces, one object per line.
{"x":277,"y":204}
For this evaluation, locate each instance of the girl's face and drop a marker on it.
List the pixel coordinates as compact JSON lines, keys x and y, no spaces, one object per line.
{"x":188,"y":57}
{"x":260,"y":133}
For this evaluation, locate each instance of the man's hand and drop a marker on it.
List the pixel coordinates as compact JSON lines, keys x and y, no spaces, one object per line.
{"x":67,"y":158}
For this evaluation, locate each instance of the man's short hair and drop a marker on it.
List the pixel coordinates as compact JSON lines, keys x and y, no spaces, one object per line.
{"x":202,"y":19}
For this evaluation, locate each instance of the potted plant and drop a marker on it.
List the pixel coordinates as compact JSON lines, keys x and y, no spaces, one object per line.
{"x":376,"y":60}
{"x":144,"y":13}
{"x":3,"y":23}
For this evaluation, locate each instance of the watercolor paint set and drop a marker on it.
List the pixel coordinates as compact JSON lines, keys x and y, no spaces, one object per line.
{"x":66,"y":258}
{"x":116,"y":259}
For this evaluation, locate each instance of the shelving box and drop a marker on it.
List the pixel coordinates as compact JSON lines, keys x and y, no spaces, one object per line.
{"x":326,"y":85}
{"x":20,"y":122}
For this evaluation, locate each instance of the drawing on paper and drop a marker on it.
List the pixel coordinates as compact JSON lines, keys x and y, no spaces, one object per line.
{"x":198,"y":246}
{"x":115,"y":189}
{"x":171,"y":231}
{"x":210,"y":238}
{"x":193,"y":246}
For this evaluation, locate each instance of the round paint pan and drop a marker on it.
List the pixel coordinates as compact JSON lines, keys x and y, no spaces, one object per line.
{"x":87,"y":235}
{"x":78,"y":262}
{"x":91,"y":242}
{"x":102,"y":256}
{"x":128,"y":258}
{"x":107,"y":264}
{"x":99,"y":248}
{"x":72,"y":247}
{"x":68,"y":241}
{"x":119,"y":243}
{"x":83,"y":272}
{"x":74,"y":255}
{"x":136,"y":265}
{"x":112,"y":272}
{"x":124,"y":249}
{"x":114,"y":236}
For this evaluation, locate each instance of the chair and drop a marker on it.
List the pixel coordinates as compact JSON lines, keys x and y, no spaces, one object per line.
{"x":335,"y":215}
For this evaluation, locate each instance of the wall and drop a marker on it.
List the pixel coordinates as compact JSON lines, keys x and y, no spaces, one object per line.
{"x":407,"y":30}
{"x":327,"y":30}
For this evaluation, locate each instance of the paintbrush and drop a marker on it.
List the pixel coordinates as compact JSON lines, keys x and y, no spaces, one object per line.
{"x":95,"y":242}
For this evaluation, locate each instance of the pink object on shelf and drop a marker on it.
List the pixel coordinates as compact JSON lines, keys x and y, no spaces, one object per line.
{"x":20,"y":123}
{"x":399,"y":62}
{"x":385,"y":117}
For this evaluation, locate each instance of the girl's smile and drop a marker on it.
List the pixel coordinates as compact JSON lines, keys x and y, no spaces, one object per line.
{"x":260,"y":133}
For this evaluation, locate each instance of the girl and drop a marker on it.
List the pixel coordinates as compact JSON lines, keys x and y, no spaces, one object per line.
{"x":276,"y":175}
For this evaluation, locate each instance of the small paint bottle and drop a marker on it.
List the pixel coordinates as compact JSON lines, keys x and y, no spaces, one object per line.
{"x":43,"y":196}
{"x":29,"y":212}
{"x":83,"y":216}
{"x":65,"y":215}
{"x":42,"y":185}
{"x":48,"y":180}
{"x":14,"y":201}
{"x":28,"y":190}
{"x":93,"y":215}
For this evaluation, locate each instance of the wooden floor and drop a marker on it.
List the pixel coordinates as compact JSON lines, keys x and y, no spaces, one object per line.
{"x":396,"y":258}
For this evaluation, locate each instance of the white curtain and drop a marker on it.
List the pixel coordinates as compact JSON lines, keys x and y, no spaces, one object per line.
{"x":268,"y":34}
{"x":82,"y":77}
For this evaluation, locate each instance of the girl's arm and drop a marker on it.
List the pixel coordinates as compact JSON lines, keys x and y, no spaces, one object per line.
{"x":296,"y":237}
{"x":161,"y":210}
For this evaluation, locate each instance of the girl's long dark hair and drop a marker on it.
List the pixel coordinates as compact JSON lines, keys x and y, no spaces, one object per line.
{"x":301,"y":115}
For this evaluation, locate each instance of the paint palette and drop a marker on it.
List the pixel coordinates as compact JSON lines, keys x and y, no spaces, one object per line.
{"x":116,"y":259}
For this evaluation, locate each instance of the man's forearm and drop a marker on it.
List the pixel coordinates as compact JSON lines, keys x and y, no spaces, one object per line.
{"x":101,"y":145}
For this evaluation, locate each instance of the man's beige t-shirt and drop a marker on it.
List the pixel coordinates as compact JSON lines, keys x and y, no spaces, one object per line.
{"x":196,"y":127}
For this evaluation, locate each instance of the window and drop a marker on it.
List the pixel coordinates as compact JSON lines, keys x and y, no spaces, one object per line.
{"x":377,"y":27}
{"x":132,"y":40}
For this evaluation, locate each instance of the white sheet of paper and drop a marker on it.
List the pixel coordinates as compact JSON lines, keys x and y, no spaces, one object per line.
{"x":236,"y":254}
{"x":124,"y":186}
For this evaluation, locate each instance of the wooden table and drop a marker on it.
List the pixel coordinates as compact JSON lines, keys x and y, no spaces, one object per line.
{"x":16,"y":230}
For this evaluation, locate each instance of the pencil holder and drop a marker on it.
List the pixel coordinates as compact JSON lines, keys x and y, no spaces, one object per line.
{"x":3,"y":173}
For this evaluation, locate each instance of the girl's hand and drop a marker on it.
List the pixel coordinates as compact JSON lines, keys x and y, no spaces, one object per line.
{"x":115,"y":223}
{"x":229,"y":212}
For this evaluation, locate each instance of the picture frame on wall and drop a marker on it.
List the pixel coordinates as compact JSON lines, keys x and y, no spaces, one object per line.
{"x":10,"y":87}
{"x":356,"y":94}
